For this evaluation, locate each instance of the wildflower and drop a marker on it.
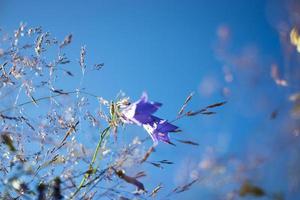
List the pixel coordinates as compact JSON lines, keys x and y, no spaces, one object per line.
{"x":140,"y":113}
{"x":158,"y":130}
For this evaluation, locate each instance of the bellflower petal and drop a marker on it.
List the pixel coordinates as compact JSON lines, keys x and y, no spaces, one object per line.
{"x":140,"y":113}
{"x":143,"y":107}
{"x":163,"y":125}
{"x":156,"y":135}
{"x":159,"y":129}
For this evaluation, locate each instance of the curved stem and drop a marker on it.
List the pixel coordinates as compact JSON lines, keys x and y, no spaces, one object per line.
{"x":102,"y":136}
{"x":90,"y":170}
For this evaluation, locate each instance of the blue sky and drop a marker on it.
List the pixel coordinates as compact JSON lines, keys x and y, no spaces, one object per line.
{"x":171,"y":48}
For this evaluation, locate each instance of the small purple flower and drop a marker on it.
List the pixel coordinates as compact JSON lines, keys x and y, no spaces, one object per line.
{"x":140,"y":113}
{"x":158,"y":129}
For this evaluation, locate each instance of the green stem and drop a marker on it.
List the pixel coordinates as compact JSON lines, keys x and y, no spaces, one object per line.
{"x":90,"y":170}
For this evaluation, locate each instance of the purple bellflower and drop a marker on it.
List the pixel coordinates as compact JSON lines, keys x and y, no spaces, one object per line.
{"x":140,"y":113}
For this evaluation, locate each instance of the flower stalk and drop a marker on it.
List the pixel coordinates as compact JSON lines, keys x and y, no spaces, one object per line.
{"x":91,"y":170}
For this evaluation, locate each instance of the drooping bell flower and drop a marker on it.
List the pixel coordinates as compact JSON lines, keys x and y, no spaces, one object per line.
{"x":159,"y":129}
{"x":140,"y":113}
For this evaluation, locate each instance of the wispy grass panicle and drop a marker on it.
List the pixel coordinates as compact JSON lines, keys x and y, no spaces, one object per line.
{"x":51,"y":130}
